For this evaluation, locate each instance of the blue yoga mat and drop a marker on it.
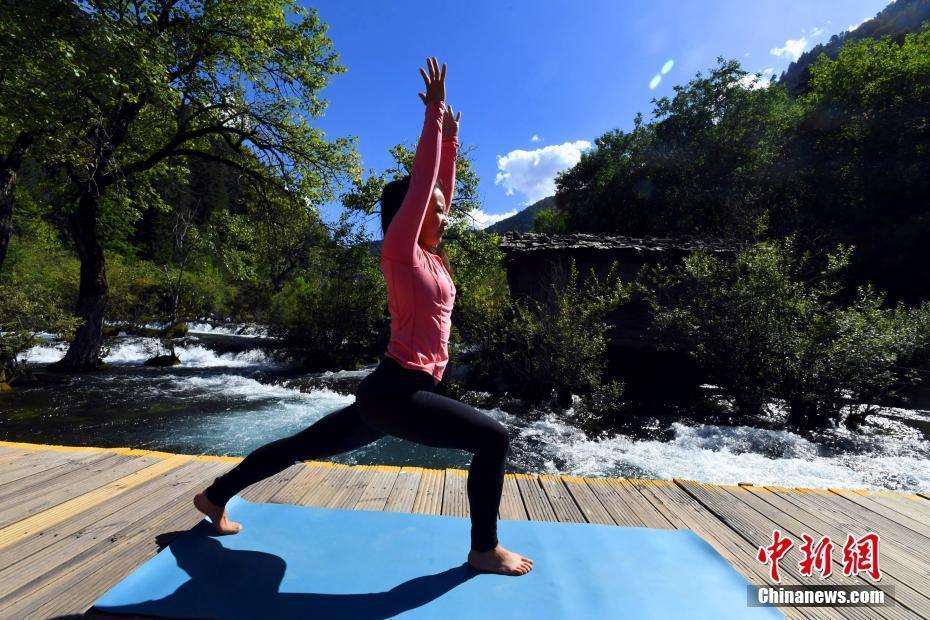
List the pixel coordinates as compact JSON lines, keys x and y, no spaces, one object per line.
{"x":311,"y":562}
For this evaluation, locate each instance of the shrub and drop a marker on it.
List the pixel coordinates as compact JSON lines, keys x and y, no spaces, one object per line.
{"x":596,"y":410}
{"x":332,"y":312}
{"x":26,"y":309}
{"x":762,"y":329}
{"x":557,"y":344}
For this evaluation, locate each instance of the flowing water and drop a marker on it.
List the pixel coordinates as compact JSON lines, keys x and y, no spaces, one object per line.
{"x":231,"y":402}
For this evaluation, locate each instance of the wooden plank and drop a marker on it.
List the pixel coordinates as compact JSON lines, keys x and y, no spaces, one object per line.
{"x":72,"y":586}
{"x":899,"y":543}
{"x":43,"y":462}
{"x":552,"y":498}
{"x":627,"y":493}
{"x":376,"y":494}
{"x":511,"y":502}
{"x":428,"y":499}
{"x":587,"y":502}
{"x":661,"y":501}
{"x":795,"y":522}
{"x":837,"y":524}
{"x":756,"y":527}
{"x":277,"y":483}
{"x":563,"y":505}
{"x":11,"y":455}
{"x":537,"y":504}
{"x":455,"y":494}
{"x":353,"y":487}
{"x":914,"y":525}
{"x":77,"y":535}
{"x":618,"y":510}
{"x":79,"y":522}
{"x":39,"y":482}
{"x":910,"y":505}
{"x":294,"y":482}
{"x":733,"y":547}
{"x":533,"y":498}
{"x":74,"y":484}
{"x":404,"y":492}
{"x":265,"y":491}
{"x":64,"y":510}
{"x":330,"y":483}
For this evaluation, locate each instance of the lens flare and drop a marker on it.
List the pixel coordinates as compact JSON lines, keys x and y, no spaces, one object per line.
{"x":655,"y":81}
{"x":667,"y":66}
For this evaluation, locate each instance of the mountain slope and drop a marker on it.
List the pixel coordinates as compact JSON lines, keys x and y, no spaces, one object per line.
{"x":522,"y":221}
{"x":896,"y":19}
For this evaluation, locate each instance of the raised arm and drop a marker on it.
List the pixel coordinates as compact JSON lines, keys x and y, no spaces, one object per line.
{"x":450,"y":145}
{"x":400,"y":241}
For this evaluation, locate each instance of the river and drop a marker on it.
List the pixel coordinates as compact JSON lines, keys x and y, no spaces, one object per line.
{"x":230,"y":403}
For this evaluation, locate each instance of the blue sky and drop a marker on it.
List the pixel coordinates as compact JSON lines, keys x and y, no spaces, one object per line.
{"x":538,"y":81}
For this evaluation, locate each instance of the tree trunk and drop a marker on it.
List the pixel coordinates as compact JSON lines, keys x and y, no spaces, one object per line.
{"x":9,"y":168}
{"x":7,"y":190}
{"x":84,"y":352}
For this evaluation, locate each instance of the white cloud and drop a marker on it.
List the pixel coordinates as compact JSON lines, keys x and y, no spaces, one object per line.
{"x":793,"y":48}
{"x":535,"y":138}
{"x":532,"y":173}
{"x":749,"y":80}
{"x":854,"y":26}
{"x":480,"y":219}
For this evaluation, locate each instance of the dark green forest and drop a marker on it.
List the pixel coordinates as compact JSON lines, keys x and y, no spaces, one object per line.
{"x":845,"y":162}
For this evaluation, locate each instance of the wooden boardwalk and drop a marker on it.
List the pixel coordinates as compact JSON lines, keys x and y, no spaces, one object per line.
{"x":74,"y":521}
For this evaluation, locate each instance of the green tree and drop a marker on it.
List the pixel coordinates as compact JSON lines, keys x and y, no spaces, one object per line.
{"x":695,"y":169}
{"x":862,"y":158}
{"x":846,"y":162}
{"x":181,"y":77}
{"x":41,"y":69}
{"x":330,"y":313}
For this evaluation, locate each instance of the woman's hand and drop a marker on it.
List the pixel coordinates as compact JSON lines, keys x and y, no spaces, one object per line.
{"x":435,"y":82}
{"x":450,"y":123}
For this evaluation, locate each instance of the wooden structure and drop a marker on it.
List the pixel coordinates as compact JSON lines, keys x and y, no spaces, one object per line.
{"x":75,"y":520}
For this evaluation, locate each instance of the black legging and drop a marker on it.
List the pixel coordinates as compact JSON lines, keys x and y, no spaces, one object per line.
{"x":398,"y":401}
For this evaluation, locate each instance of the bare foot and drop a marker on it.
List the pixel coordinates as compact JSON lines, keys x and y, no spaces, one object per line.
{"x":500,"y":560}
{"x":217,"y":515}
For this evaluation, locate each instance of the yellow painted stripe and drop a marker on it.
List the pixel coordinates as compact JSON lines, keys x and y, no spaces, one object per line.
{"x":125,"y":451}
{"x":21,"y":529}
{"x":390,"y":468}
{"x":866,"y":492}
{"x":641,"y":481}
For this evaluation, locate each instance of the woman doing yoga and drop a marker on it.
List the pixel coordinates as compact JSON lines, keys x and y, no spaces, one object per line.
{"x":398,"y":397}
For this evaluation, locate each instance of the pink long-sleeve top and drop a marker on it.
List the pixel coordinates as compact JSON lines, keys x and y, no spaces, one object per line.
{"x":420,"y":290}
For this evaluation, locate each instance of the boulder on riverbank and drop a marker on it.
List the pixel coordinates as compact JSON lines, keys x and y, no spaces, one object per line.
{"x":163,"y":360}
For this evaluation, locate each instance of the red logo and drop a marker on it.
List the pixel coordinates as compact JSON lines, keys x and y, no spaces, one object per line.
{"x":859,"y":555}
{"x":862,"y":556}
{"x":819,"y":556}
{"x":774,"y":552}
